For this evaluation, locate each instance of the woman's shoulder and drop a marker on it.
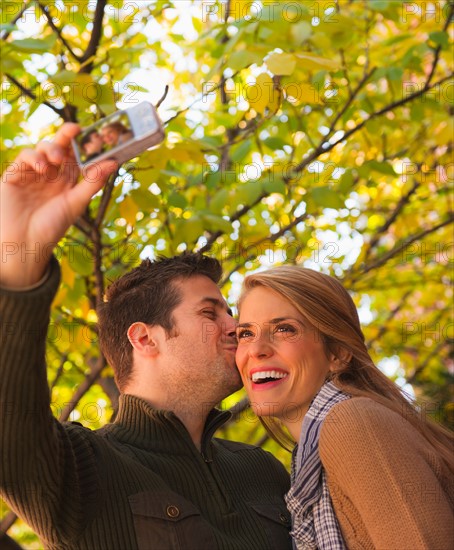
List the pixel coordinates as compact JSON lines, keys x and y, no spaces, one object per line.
{"x":362,"y":423}
{"x":363,"y":410}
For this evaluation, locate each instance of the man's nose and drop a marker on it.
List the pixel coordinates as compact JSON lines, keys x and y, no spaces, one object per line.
{"x":229,"y":327}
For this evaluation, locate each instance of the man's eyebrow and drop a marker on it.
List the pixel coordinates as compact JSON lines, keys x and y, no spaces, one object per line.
{"x":217,"y":303}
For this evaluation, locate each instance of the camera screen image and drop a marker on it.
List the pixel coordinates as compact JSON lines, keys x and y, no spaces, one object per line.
{"x":103,"y":136}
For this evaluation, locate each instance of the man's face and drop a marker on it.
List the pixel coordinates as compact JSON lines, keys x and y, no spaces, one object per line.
{"x":199,"y":362}
{"x":94,"y":145}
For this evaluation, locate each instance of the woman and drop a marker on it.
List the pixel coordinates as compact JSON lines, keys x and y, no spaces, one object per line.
{"x":115,"y":133}
{"x":368,"y":471}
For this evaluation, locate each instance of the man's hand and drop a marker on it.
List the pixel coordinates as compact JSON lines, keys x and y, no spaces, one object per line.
{"x":39,"y":200}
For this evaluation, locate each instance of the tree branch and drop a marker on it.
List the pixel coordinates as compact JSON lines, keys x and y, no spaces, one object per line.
{"x":105,"y":199}
{"x":31,"y":95}
{"x":83,"y":388}
{"x":16,"y":19}
{"x":390,"y":317}
{"x":396,"y":250}
{"x":438,"y":50}
{"x":164,"y":95}
{"x":325,"y":146}
{"x":271,"y":239}
{"x":95,"y":37}
{"x":57,"y":31}
{"x":392,"y":218}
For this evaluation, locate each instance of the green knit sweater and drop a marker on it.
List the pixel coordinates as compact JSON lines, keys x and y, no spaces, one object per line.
{"x":137,"y":483}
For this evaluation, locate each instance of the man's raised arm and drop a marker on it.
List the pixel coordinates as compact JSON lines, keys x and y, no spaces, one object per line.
{"x":41,"y":468}
{"x":39,"y":200}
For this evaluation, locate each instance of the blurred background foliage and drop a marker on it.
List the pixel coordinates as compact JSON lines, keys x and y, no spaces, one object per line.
{"x":308,"y":132}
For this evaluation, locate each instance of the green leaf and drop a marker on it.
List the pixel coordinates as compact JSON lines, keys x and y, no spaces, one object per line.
{"x":395,"y":73}
{"x":216,"y":223}
{"x":274,"y":186}
{"x":34,"y":45}
{"x":188,"y":230}
{"x":378,"y":5}
{"x":240,"y":60}
{"x":67,"y":77}
{"x":326,"y":197}
{"x":248,"y":193}
{"x":177,"y":199}
{"x":212,"y":179}
{"x":440,"y":38}
{"x":80,"y":260}
{"x":274,"y":143}
{"x":346,"y":182}
{"x":219,"y":201}
{"x":145,"y":199}
{"x":241,"y":150}
{"x":9,"y":61}
{"x":382,"y":167}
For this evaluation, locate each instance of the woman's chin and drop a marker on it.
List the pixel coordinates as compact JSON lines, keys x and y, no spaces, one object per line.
{"x":264,"y":409}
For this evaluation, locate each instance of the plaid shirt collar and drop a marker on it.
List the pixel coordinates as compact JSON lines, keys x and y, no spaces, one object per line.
{"x":314,"y":523}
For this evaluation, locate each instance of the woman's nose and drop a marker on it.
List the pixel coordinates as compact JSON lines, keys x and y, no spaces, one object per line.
{"x":260,"y":346}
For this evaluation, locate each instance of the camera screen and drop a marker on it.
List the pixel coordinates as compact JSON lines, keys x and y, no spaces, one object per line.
{"x":104,"y":136}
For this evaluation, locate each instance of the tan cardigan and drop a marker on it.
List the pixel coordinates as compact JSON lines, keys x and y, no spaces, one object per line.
{"x":390,"y":490}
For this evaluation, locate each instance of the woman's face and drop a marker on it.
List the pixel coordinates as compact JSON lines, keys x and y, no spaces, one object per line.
{"x":280,"y":357}
{"x":110,"y":135}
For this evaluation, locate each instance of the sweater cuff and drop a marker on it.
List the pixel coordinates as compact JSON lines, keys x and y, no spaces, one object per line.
{"x":47,"y":284}
{"x":30,"y":287}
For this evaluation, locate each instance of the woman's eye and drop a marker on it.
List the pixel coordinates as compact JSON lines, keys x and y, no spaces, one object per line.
{"x":242,"y":334}
{"x":286,"y":329}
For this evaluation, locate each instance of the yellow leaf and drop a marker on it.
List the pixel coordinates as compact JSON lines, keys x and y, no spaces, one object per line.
{"x":300,"y":92}
{"x":84,"y":305}
{"x":308,"y":61}
{"x":444,"y":131}
{"x":128,"y":210}
{"x":281,"y":63}
{"x":60,"y":298}
{"x":260,"y":94}
{"x":239,"y":8}
{"x":180,"y":153}
{"x":67,"y":273}
{"x":272,"y":93}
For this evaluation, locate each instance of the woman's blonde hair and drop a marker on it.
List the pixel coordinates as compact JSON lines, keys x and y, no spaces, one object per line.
{"x":328,"y":307}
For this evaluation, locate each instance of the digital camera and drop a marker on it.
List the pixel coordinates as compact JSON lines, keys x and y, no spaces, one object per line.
{"x":120,"y":136}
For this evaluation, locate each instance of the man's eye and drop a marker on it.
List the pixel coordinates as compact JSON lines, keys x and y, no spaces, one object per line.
{"x":209,"y":313}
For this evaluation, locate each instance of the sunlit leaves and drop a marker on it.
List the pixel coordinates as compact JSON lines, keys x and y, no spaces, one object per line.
{"x":258,"y":97}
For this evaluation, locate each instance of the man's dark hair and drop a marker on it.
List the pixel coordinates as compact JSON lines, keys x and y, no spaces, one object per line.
{"x":87,"y":138}
{"x":146,"y":294}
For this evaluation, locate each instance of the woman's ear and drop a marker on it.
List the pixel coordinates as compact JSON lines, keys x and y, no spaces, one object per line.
{"x":142,"y":338}
{"x":340,"y":359}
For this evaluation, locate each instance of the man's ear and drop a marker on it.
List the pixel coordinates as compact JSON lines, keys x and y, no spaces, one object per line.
{"x":143,"y":338}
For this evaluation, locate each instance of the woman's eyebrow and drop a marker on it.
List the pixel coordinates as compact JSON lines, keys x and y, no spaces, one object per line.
{"x":274,"y":321}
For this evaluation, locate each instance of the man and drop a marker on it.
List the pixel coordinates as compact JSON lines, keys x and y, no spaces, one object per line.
{"x":92,"y":145}
{"x":155,"y":478}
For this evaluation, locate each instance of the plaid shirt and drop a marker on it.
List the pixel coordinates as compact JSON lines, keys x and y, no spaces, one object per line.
{"x":314,"y":523}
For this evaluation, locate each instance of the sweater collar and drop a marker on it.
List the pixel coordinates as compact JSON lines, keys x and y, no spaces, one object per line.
{"x":137,"y":423}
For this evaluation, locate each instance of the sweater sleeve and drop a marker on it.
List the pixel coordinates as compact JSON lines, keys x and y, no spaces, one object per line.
{"x":382,"y":467}
{"x":41,"y":462}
